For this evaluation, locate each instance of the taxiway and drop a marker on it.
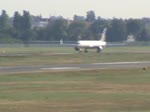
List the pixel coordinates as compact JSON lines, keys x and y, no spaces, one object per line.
{"x":66,"y":67}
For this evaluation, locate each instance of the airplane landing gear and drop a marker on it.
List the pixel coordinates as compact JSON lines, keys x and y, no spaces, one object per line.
{"x":85,"y":50}
{"x":99,"y":50}
{"x":77,"y":48}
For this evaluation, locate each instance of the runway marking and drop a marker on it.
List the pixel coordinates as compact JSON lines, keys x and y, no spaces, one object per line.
{"x":74,"y":67}
{"x":117,"y":63}
{"x":61,"y":68}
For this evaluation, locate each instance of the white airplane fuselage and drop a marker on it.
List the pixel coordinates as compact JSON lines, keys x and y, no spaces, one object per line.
{"x":85,"y":44}
{"x":92,"y":44}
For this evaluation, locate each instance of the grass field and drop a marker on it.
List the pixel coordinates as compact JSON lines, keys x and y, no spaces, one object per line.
{"x":46,"y":56}
{"x":76,"y":91}
{"x":32,"y":50}
{"x":113,"y":90}
{"x":72,"y":58}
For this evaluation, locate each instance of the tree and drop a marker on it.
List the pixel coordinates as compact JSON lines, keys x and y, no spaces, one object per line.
{"x":26,"y":20}
{"x":17,"y":24}
{"x":4,"y":23}
{"x":5,"y":27}
{"x":57,"y":29}
{"x":17,"y":21}
{"x":22,"y":25}
{"x":77,"y":30}
{"x":134,"y":26}
{"x":97,"y":27}
{"x":118,"y":31}
{"x":144,"y":35}
{"x":78,"y":18}
{"x":90,"y":17}
{"x":26,"y":26}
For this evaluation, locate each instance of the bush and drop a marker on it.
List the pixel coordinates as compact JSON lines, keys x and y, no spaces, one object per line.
{"x":6,"y":38}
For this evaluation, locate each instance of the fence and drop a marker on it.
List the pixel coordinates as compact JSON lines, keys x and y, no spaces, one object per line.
{"x":68,"y":44}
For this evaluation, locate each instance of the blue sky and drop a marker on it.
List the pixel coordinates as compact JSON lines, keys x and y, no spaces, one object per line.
{"x":68,"y":8}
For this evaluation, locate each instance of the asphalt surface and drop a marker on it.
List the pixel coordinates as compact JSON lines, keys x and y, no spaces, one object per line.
{"x":66,"y":67}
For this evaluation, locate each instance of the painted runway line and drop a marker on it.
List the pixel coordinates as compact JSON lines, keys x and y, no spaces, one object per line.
{"x":118,"y":63}
{"x":61,"y":68}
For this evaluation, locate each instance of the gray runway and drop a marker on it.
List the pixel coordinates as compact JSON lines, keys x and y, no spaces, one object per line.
{"x":65,"y":67}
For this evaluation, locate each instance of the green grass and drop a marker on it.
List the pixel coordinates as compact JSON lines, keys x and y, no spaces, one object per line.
{"x":114,"y":90}
{"x":31,"y":50}
{"x":44,"y":56}
{"x":72,"y":58}
{"x":125,"y":90}
{"x":128,"y":49}
{"x":48,"y":59}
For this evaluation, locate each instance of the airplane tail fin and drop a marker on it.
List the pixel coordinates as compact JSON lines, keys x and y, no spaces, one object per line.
{"x":103,"y":37}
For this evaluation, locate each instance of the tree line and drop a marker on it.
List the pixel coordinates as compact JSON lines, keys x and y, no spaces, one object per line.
{"x":20,"y":28}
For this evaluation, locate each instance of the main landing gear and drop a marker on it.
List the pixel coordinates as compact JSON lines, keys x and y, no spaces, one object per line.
{"x":99,"y":50}
{"x":85,"y":49}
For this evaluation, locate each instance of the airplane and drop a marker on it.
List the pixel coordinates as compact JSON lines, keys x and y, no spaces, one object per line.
{"x":92,"y":44}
